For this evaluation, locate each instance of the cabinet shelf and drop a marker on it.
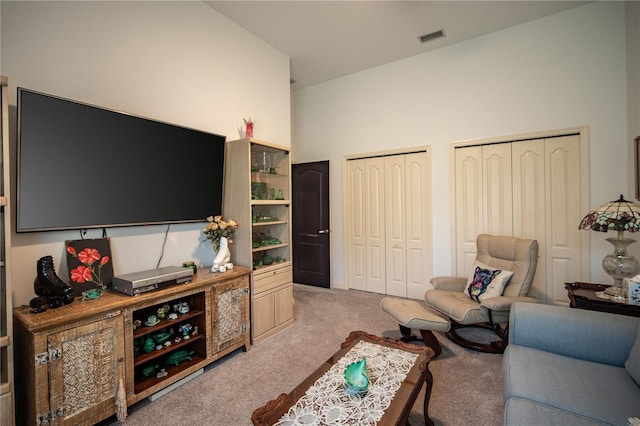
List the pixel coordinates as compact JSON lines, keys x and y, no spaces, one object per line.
{"x":273,"y":266}
{"x":270,"y":202}
{"x":144,"y":330}
{"x":142,"y":358}
{"x":267,"y":175}
{"x":269,"y":247}
{"x":171,"y":370}
{"x":272,"y":222}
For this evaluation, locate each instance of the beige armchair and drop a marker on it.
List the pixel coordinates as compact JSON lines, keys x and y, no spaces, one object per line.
{"x":489,"y":307}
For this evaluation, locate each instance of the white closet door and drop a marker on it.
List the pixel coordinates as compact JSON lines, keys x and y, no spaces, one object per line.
{"x":497,"y":189}
{"x":529,"y":207}
{"x":544,"y":203}
{"x":375,"y":225}
{"x":357,"y":204}
{"x":563,"y":214}
{"x":469,"y":206}
{"x":395,"y":225}
{"x":418,"y":219}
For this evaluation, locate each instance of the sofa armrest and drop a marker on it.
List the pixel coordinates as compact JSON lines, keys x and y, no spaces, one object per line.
{"x":577,"y":333}
{"x":449,"y":283}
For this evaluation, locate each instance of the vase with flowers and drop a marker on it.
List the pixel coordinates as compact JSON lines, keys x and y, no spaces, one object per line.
{"x":220,"y":233}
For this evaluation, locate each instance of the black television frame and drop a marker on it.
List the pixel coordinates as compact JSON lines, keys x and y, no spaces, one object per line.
{"x":125,"y":162}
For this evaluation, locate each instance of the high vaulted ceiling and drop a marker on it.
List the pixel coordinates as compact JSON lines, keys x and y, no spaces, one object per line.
{"x":329,"y":39}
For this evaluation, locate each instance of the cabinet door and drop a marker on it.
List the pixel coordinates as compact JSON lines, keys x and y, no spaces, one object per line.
{"x":263,"y":314}
{"x":283,"y":301}
{"x":83,"y":382}
{"x":230,"y":323}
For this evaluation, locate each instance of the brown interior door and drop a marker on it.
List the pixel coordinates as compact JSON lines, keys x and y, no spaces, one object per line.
{"x":310,"y":223}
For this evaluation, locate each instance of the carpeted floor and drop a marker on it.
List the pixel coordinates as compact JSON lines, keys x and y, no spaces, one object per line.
{"x":467,"y":385}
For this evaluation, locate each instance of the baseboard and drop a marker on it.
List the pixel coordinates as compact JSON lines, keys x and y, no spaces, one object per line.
{"x":175,"y":385}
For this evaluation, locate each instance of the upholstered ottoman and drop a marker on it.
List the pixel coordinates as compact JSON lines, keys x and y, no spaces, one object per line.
{"x":411,"y":314}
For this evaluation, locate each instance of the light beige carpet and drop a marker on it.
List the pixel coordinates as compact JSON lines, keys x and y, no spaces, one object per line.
{"x":467,"y":386}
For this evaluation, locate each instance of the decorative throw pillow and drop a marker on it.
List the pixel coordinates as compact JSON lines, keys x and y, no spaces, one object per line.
{"x":486,"y":282}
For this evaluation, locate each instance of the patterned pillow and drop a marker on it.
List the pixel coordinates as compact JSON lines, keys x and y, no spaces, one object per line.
{"x":486,"y":282}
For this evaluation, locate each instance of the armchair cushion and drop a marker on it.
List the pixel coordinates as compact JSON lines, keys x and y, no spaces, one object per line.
{"x":486,"y":282}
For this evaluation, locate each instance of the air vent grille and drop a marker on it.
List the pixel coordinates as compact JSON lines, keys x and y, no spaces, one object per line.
{"x":431,"y":36}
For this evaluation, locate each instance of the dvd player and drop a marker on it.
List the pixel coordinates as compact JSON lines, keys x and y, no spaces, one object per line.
{"x":153,"y":279}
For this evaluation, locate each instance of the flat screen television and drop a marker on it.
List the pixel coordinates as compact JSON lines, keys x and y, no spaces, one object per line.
{"x":81,"y":166}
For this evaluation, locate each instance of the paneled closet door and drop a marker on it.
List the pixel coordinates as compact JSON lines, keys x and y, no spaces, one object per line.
{"x":469,"y":210}
{"x":367,"y":267}
{"x":418,"y":219}
{"x":357,"y":228}
{"x":407,"y":219}
{"x":537,"y":194}
{"x":529,"y":204}
{"x":375,"y":225}
{"x":389,"y":240}
{"x":483,"y":198}
{"x":395,"y":225}
{"x":563,"y":214}
{"x":497,"y":189}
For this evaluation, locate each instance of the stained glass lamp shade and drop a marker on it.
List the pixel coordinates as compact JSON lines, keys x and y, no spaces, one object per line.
{"x":620,"y":215}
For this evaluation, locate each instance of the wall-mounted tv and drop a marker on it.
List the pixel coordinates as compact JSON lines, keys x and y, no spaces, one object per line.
{"x":81,"y":166}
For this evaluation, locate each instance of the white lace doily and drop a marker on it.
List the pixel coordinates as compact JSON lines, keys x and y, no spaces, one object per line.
{"x":328,"y":403}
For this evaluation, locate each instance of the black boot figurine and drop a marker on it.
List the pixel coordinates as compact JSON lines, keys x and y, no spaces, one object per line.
{"x":48,"y":284}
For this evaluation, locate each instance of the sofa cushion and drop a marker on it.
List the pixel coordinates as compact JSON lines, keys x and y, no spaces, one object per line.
{"x":523,"y":412}
{"x":632,"y":364}
{"x":486,"y":282}
{"x":570,"y":384}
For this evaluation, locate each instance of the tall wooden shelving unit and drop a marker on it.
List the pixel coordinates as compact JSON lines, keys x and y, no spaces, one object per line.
{"x":258,"y":197}
{"x":6,"y":321}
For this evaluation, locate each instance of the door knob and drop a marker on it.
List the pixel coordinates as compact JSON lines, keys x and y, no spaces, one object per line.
{"x":323,"y":231}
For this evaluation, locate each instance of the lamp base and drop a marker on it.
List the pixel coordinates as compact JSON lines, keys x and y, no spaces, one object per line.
{"x":615,"y":292}
{"x":619,"y":265}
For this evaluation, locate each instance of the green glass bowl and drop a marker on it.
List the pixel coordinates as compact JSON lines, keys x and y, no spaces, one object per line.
{"x":356,"y":379}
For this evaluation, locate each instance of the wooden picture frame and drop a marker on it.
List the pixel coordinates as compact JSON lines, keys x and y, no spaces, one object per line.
{"x":636,"y":156}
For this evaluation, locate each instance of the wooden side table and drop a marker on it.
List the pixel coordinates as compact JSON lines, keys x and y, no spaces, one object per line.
{"x":583,"y":296}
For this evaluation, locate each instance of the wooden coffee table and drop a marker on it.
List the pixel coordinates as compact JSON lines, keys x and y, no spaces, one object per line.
{"x":397,"y":411}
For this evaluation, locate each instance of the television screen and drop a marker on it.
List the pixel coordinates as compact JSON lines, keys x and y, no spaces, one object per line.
{"x":81,"y":166}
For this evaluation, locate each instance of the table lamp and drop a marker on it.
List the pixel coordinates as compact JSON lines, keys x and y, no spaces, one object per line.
{"x":620,"y":215}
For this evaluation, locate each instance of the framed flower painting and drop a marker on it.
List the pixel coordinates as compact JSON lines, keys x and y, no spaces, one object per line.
{"x":90,"y":264}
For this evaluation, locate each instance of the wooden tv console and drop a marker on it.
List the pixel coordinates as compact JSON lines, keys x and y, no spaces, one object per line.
{"x":71,"y":361}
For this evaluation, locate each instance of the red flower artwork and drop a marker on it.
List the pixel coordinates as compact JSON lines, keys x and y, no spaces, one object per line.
{"x":88,"y":271}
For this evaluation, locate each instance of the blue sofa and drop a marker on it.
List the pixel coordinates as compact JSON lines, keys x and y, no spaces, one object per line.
{"x":570,"y":367}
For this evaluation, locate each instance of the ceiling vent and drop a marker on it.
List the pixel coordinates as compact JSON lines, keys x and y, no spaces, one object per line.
{"x":431,"y":36}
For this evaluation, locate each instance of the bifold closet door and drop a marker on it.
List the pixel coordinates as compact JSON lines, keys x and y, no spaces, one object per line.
{"x":367,"y":269}
{"x":483,"y":198}
{"x":389,"y":217}
{"x":528,"y":189}
{"x":406,"y":218}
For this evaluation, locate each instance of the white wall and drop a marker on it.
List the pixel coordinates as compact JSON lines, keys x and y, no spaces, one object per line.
{"x":179,"y":62}
{"x":565,"y":70}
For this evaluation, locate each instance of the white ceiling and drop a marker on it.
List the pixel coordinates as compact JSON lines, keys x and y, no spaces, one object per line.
{"x":329,"y":39}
